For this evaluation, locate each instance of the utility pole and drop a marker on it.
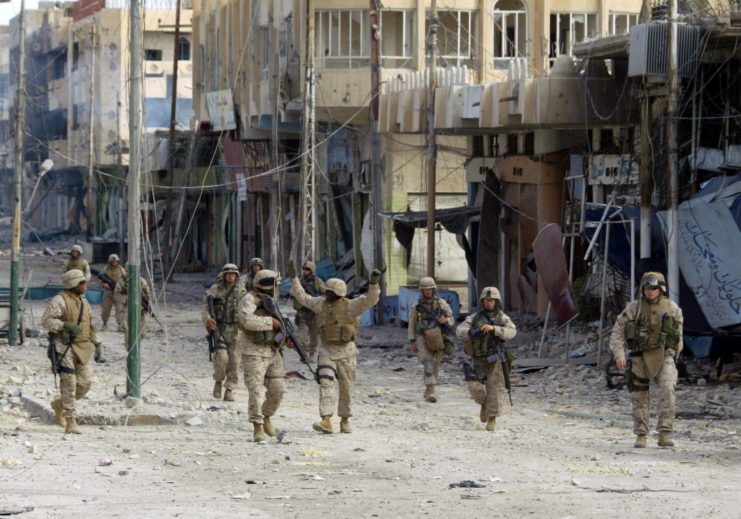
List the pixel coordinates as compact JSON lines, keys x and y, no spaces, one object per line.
{"x":119,"y":175}
{"x":672,"y":134}
{"x":20,"y":122}
{"x":646,"y":180}
{"x":431,"y":144}
{"x":90,"y":137}
{"x":169,"y":237}
{"x":133,"y":361}
{"x":375,"y":157}
{"x":275,"y":186}
{"x":307,"y":206}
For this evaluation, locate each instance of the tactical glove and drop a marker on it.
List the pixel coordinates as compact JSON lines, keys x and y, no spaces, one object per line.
{"x":291,"y":269}
{"x":72,"y":329}
{"x":475,"y":332}
{"x":375,"y":276}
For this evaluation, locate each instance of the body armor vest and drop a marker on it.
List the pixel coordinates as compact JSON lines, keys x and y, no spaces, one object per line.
{"x":116,"y":273}
{"x":82,"y":345}
{"x":485,"y":345}
{"x":338,"y":327}
{"x":261,"y":337}
{"x":225,"y":305}
{"x":75,"y":263}
{"x":652,"y":327}
{"x":423,"y":320}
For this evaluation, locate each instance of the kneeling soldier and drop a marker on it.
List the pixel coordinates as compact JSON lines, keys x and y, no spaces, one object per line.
{"x":219,"y":314}
{"x":483,"y":330}
{"x":338,"y":321}
{"x":262,"y":358}
{"x":68,"y":318}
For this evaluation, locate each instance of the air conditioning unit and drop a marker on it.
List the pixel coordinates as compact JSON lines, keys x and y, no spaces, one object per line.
{"x":649,"y":51}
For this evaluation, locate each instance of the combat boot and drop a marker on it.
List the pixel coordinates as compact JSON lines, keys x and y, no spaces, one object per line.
{"x":345,"y":425}
{"x":430,"y":393}
{"x":325,"y":426}
{"x":217,"y":389}
{"x":259,"y":433}
{"x":228,"y":397}
{"x":105,"y":327}
{"x":491,"y":423}
{"x":99,"y":354}
{"x":267,"y":426}
{"x":665,"y":439}
{"x":483,"y":415}
{"x":72,"y":427}
{"x":58,"y":409}
{"x":640,"y":442}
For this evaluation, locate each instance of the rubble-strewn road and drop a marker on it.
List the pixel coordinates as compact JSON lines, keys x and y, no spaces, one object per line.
{"x":564,"y":449}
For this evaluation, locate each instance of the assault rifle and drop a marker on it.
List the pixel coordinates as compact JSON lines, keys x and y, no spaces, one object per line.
{"x":148,"y":308}
{"x":51,"y":353}
{"x":432,"y":317}
{"x":211,"y":337}
{"x":105,"y":278}
{"x":268,"y":304}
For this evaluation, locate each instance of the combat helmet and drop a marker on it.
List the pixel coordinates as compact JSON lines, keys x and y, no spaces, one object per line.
{"x":490,"y":293}
{"x":427,"y":282}
{"x":256,"y":261}
{"x":72,"y":278}
{"x":653,"y":279}
{"x":310,"y":265}
{"x":113,"y":257}
{"x":230,"y":267}
{"x":265,"y":280}
{"x":336,"y":286}
{"x":76,"y":248}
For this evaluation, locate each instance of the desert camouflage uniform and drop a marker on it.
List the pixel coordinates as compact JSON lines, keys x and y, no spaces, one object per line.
{"x":487,"y":394}
{"x":262,"y":362}
{"x":77,"y":375}
{"x":80,"y":264}
{"x":245,"y":280}
{"x":655,"y":364}
{"x":122,"y":291}
{"x":336,"y":360}
{"x":226,"y":358}
{"x":113,"y":299}
{"x":429,"y":359}
{"x":308,"y":325}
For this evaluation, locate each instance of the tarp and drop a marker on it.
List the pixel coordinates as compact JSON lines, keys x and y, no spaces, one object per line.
{"x":454,"y":220}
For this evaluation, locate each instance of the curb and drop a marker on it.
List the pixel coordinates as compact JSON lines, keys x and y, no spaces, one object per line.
{"x":45,"y":413}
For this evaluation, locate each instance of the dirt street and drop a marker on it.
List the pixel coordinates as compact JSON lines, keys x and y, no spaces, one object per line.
{"x":564,"y":450}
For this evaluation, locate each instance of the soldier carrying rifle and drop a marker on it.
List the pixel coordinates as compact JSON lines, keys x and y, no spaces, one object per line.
{"x":113,"y":274}
{"x":485,"y":331}
{"x":429,"y":320}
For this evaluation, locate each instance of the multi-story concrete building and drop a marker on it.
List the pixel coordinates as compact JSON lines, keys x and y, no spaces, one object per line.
{"x":77,"y":72}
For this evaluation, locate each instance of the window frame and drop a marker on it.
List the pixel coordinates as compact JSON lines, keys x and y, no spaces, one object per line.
{"x":342,"y":52}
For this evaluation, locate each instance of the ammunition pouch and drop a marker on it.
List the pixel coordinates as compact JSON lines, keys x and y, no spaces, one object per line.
{"x":434,"y":339}
{"x":266,"y":337}
{"x":669,"y":332}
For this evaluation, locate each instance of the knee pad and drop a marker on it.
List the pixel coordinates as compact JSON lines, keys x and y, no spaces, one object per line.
{"x":429,"y":367}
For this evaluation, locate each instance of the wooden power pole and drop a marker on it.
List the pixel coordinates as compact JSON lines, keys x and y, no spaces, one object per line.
{"x":431,"y":144}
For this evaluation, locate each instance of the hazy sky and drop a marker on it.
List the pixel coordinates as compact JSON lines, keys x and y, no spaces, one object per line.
{"x":10,"y":9}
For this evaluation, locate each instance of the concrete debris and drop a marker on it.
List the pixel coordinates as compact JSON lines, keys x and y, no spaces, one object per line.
{"x":466,"y":483}
{"x":194,"y":421}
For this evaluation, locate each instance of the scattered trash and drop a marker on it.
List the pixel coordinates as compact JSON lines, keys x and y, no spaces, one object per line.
{"x":581,"y":352}
{"x":105,"y":462}
{"x":494,"y":479}
{"x":48,"y":252}
{"x":466,"y":483}
{"x":317,"y":478}
{"x":194,"y":421}
{"x":10,"y":462}
{"x":246,"y":495}
{"x":123,"y":472}
{"x":14,"y":511}
{"x":312,"y":452}
{"x":172,"y":463}
{"x":398,"y":369}
{"x":213,"y":408}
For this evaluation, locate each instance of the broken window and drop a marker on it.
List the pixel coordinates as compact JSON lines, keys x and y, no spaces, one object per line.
{"x":510,"y":32}
{"x":153,"y":55}
{"x":75,"y":55}
{"x":342,"y":38}
{"x":620,"y":23}
{"x":456,"y":37}
{"x":567,"y":29}
{"x":59,"y":64}
{"x":184,"y":49}
{"x":397,"y":39}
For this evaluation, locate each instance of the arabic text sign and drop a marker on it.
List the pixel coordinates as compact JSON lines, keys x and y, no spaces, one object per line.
{"x":709,"y":252}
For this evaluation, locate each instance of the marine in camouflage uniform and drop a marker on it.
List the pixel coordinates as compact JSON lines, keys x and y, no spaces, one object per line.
{"x":262,"y":358}
{"x":76,"y":261}
{"x":225,"y":295}
{"x":110,"y":299}
{"x":481,"y":331}
{"x":422,"y":325}
{"x":650,"y":328}
{"x":338,"y":321}
{"x":122,"y":291}
{"x":308,"y":325}
{"x":246,"y":279}
{"x":68,"y":317}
